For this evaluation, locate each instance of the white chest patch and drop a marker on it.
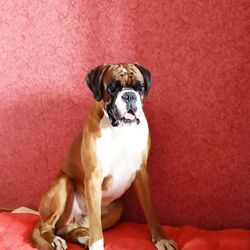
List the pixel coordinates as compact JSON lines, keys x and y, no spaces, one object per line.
{"x":119,"y":153}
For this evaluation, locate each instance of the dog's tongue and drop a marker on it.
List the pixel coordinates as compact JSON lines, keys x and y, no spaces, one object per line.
{"x":129,"y":115}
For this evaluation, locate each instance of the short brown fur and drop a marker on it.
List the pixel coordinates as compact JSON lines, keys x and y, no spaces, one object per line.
{"x":81,"y":179}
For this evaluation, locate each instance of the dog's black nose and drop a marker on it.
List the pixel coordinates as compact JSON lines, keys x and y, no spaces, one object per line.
{"x":129,"y":97}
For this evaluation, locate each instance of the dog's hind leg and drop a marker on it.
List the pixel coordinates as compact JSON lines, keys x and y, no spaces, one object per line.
{"x":111,"y":214}
{"x":51,"y":208}
{"x":78,"y":235}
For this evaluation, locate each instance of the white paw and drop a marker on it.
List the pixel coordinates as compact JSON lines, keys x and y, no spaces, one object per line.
{"x":59,"y":244}
{"x":83,"y":240}
{"x":98,"y":245}
{"x":165,"y":244}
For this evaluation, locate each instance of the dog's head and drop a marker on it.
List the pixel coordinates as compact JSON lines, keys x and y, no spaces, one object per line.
{"x":121,"y":87}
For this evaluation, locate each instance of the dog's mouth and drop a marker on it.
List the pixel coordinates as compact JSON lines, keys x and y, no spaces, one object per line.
{"x":128,"y":118}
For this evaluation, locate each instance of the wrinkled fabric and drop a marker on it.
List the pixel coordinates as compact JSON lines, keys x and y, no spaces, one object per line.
{"x":15,"y":231}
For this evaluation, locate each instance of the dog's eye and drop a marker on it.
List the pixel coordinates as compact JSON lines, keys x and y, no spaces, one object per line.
{"x":114,"y":87}
{"x":139,"y":86}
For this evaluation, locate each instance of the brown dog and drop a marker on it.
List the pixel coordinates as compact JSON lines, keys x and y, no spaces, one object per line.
{"x":105,"y":159}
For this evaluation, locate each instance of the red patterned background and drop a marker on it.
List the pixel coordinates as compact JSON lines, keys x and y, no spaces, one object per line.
{"x":198,"y":108}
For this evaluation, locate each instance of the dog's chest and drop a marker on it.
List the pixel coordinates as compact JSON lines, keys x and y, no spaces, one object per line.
{"x":120,"y":154}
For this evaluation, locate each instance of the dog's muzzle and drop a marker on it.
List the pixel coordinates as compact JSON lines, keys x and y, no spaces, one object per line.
{"x":124,"y":108}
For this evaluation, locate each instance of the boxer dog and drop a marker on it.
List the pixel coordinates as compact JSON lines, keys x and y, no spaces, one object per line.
{"x":105,"y":159}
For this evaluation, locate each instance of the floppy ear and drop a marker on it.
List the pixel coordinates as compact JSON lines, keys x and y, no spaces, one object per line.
{"x":147,"y":78}
{"x":94,"y":81}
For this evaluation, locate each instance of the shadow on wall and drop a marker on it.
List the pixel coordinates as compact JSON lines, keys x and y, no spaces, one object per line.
{"x":36,"y":133}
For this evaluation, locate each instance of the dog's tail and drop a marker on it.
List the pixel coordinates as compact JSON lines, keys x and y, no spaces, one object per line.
{"x":38,"y":241}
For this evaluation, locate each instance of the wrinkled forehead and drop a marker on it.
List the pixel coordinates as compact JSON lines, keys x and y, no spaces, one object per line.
{"x":127,"y":74}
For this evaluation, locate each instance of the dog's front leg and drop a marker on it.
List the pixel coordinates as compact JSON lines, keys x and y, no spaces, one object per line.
{"x":93,"y":192}
{"x":159,"y":238}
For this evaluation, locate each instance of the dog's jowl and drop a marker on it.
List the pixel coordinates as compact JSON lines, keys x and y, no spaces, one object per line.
{"x":107,"y":157}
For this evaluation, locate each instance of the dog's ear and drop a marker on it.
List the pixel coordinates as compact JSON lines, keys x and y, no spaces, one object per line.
{"x":94,"y":79}
{"x":147,"y":78}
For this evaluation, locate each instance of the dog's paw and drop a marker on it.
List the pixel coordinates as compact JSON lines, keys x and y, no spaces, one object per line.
{"x":165,"y":244}
{"x":83,"y":240}
{"x":98,"y":245}
{"x":59,"y":244}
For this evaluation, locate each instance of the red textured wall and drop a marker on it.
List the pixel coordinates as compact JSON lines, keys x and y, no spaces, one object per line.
{"x":198,"y":108}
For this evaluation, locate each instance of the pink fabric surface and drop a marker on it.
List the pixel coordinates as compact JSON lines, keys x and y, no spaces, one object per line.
{"x":198,"y":108}
{"x":15,"y":231}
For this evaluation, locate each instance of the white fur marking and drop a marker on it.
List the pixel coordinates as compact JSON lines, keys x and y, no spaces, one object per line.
{"x":98,"y":245}
{"x":83,"y":240}
{"x":122,"y":106}
{"x":59,"y":243}
{"x":124,"y":70}
{"x":119,"y":152}
{"x":166,"y":244}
